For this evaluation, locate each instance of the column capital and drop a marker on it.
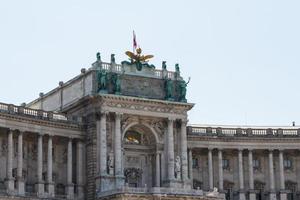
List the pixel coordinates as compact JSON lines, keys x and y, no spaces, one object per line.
{"x":172,"y":119}
{"x":270,"y":150}
{"x":281,"y":150}
{"x":104,"y":112}
{"x":250,"y":149}
{"x":118,"y":114}
{"x":240,"y":150}
{"x":184,"y":121}
{"x":70,"y":138}
{"x":220,"y":149}
{"x":210,"y":148}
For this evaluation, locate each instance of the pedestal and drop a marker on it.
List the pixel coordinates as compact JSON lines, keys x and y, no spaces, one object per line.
{"x":272,"y":196}
{"x":39,"y":188}
{"x":283,"y":196}
{"x":21,"y":187}
{"x":10,"y":185}
{"x":242,"y":195}
{"x":120,"y":182}
{"x":252,"y":195}
{"x":50,"y":187}
{"x":80,"y":192}
{"x":70,"y":191}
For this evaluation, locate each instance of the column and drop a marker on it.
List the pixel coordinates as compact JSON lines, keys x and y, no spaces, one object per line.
{"x":157,"y":169}
{"x":10,"y":186}
{"x":191,"y":165}
{"x":118,"y":152}
{"x":50,"y":184}
{"x":220,"y":159}
{"x":271,"y":173}
{"x":210,"y":170}
{"x":183,"y":144}
{"x":103,"y":147}
{"x":40,"y":182}
{"x":79,"y":169}
{"x":241,"y":175}
{"x":283,"y":195}
{"x":20,"y":181}
{"x":252,"y":195}
{"x":170,"y":143}
{"x":70,"y":185}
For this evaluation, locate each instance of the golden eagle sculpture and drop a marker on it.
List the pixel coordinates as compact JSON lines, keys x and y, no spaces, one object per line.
{"x":138,"y":59}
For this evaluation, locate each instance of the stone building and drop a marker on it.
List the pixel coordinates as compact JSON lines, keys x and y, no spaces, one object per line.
{"x":119,"y":131}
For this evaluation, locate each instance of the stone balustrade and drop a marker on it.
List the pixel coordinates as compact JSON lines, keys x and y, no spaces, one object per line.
{"x":34,"y":113}
{"x":244,"y":131}
{"x":118,"y":68}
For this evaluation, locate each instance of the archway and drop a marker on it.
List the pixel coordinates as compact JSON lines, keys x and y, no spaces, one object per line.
{"x":139,"y":143}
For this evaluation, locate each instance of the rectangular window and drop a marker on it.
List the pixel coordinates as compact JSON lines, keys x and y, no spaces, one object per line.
{"x":225,"y":163}
{"x":256,"y":164}
{"x":287,"y":163}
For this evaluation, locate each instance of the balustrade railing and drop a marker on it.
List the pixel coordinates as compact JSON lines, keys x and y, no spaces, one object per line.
{"x":244,"y":131}
{"x":118,"y":68}
{"x":20,"y":110}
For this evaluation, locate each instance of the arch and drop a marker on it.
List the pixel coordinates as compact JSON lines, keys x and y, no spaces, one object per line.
{"x":144,"y":124}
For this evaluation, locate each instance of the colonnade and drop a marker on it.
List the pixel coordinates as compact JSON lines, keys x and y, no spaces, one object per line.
{"x":47,"y":188}
{"x":241,"y":167}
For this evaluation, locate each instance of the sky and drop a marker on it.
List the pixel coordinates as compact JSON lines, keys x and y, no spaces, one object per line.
{"x":242,"y":56}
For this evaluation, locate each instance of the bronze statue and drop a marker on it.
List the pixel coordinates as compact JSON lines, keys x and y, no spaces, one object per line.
{"x":139,"y":59}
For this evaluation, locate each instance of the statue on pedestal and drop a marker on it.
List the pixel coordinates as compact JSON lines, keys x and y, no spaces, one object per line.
{"x":102,"y":81}
{"x":182,"y":90}
{"x":138,"y":59}
{"x":177,"y":168}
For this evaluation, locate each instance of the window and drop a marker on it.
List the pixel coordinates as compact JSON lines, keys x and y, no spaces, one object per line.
{"x":225,"y":163}
{"x":195,"y":163}
{"x":256,"y":164}
{"x":133,"y":137}
{"x":287,"y":163}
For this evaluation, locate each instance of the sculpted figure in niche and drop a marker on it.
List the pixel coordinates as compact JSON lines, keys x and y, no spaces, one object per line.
{"x":110,"y":164}
{"x":177,"y":167}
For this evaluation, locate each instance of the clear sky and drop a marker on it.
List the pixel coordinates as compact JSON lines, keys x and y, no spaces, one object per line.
{"x":242,"y":56}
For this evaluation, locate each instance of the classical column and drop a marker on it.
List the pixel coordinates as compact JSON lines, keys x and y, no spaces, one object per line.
{"x":252,"y":195}
{"x":70,"y":185}
{"x":20,"y":181}
{"x":183,"y":144}
{"x":241,"y":175}
{"x":170,"y":143}
{"x":118,"y":152}
{"x":50,"y":183}
{"x":103,"y":145}
{"x":220,"y":159}
{"x":9,"y":163}
{"x":283,"y":195}
{"x":271,"y":173}
{"x":40,"y":182}
{"x":191,"y":165}
{"x":157,"y":168}
{"x":79,"y":169}
{"x":210,"y":170}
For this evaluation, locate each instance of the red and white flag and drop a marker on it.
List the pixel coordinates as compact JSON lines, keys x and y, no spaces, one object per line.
{"x":134,"y":41}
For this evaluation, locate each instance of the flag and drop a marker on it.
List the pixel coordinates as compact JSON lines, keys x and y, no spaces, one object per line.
{"x":134,"y":41}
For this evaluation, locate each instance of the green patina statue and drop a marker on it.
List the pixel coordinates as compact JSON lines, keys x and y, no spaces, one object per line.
{"x":98,"y":55}
{"x":164,"y":65}
{"x":169,"y":90}
{"x":102,"y":81}
{"x":112,"y":58}
{"x":182,"y":90}
{"x":177,"y":71}
{"x":116,"y":81}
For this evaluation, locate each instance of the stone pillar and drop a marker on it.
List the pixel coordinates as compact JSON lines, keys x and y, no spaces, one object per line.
{"x":184,"y":160}
{"x":20,"y":181}
{"x":50,"y":184}
{"x":9,"y":181}
{"x":70,"y":185}
{"x":241,"y":175}
{"x":271,"y":173}
{"x":170,"y":143}
{"x":118,"y":152}
{"x":191,"y":166}
{"x":252,"y":195}
{"x":40,"y":182}
{"x":79,"y":170}
{"x":157,"y":169}
{"x":210,"y":170}
{"x":283,"y":194}
{"x":220,"y":159}
{"x":103,"y":145}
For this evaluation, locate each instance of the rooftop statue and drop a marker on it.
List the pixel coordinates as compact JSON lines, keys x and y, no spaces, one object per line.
{"x":138,"y":59}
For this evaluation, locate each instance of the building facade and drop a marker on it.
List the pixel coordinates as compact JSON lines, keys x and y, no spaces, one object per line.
{"x":119,"y":131}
